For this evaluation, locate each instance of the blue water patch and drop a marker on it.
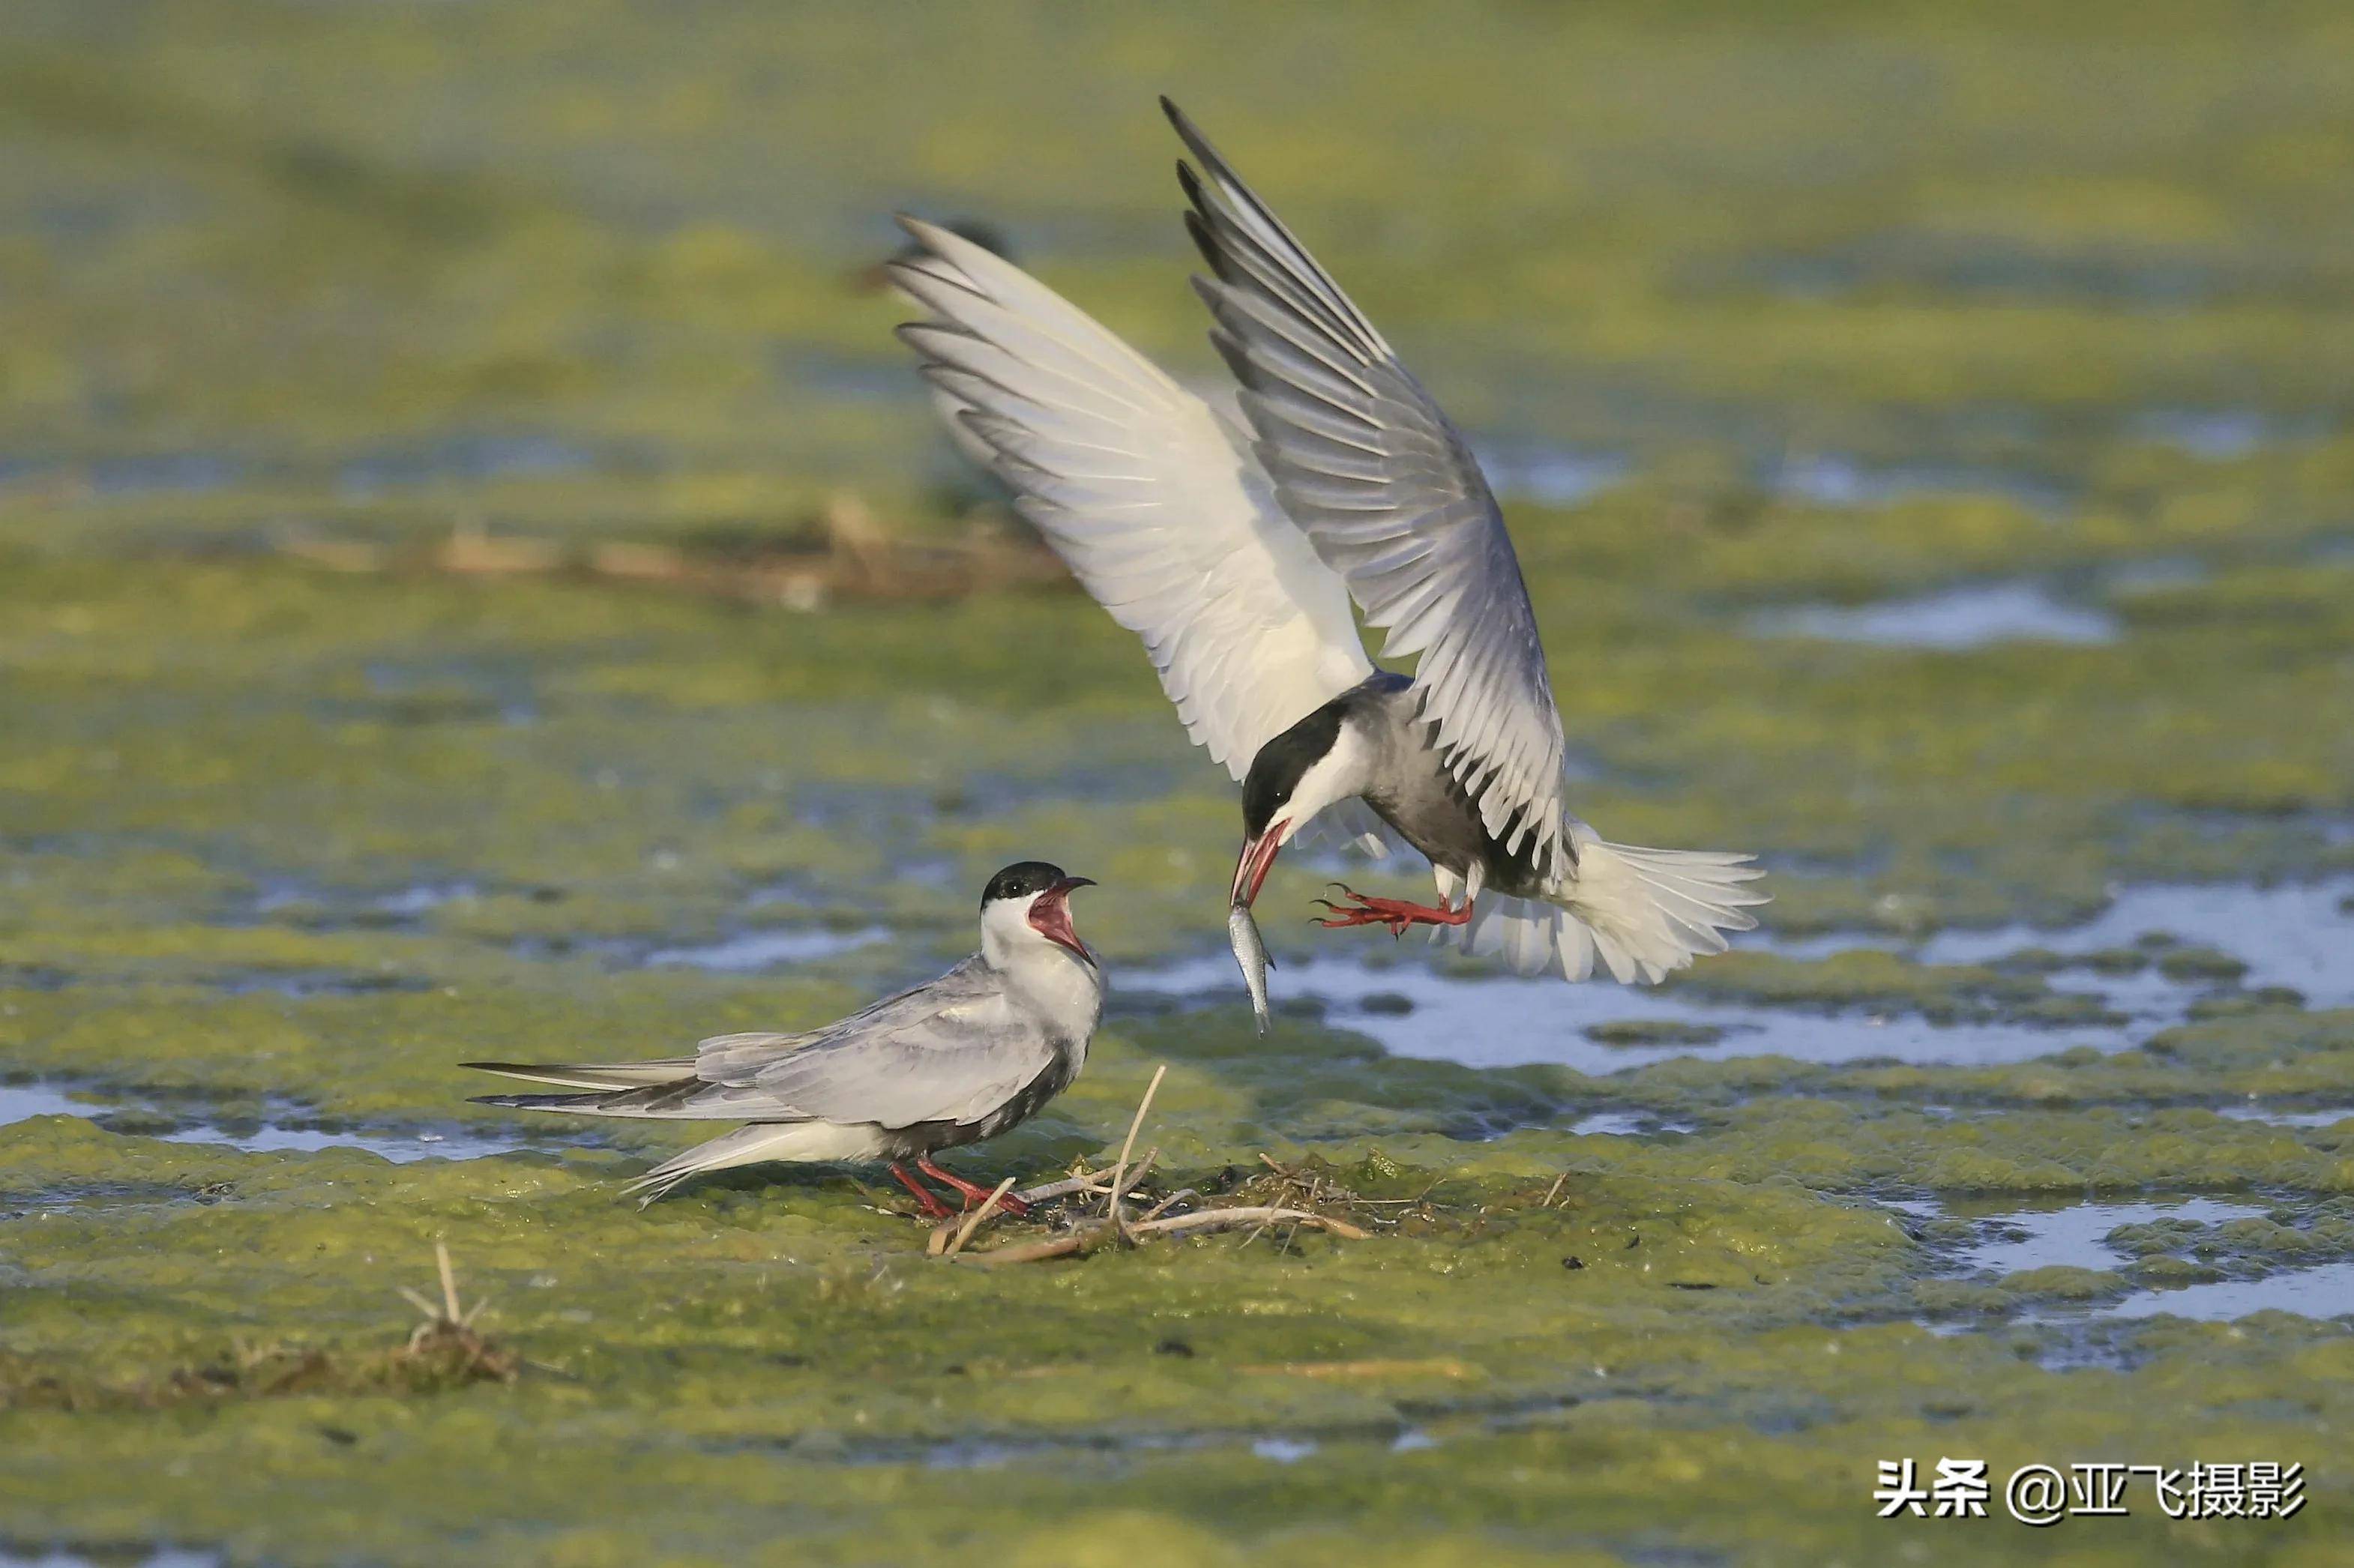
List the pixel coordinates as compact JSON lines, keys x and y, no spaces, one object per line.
{"x":1833,"y":481}
{"x":471,"y":457}
{"x":749,"y":952}
{"x":21,"y":1102}
{"x":1950,"y":620}
{"x":1550,"y":476}
{"x":1501,"y":1021}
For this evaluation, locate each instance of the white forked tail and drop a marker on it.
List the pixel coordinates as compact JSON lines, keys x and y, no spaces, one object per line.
{"x":1642,"y":913}
{"x":762,"y":1141}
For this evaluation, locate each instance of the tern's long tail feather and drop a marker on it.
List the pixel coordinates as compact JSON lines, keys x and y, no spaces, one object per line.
{"x":1642,"y":913}
{"x":572,"y":1076}
{"x":802,"y":1141}
{"x":667,"y":1099}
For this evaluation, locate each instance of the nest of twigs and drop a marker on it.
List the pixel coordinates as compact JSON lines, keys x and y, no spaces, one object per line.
{"x":1112,"y":1208}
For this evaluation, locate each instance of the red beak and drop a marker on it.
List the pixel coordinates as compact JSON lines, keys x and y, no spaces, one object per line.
{"x":1258,"y":860}
{"x":1050,"y":915}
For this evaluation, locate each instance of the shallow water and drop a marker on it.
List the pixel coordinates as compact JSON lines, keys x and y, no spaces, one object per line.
{"x":2295,"y":936}
{"x":1950,"y":620}
{"x":2324,"y":1290}
{"x":2298,"y":935}
{"x":463,"y":458}
{"x":1550,"y":476}
{"x":2274,"y":1117}
{"x":2212,"y":435}
{"x":1626,"y":1124}
{"x":20,"y":1102}
{"x":2019,"y":1240}
{"x":2015,"y":1240}
{"x":1827,"y":480}
{"x":1506,"y":1021}
{"x":752,"y":951}
{"x":400,"y":1148}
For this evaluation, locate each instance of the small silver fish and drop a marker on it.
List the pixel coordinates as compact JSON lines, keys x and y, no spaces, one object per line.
{"x":1251,"y":954}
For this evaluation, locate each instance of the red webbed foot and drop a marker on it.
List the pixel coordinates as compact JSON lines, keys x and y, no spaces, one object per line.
{"x":1397,"y":913}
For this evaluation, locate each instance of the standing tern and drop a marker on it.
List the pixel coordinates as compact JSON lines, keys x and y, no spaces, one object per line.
{"x":1236,"y":553}
{"x":951,"y":1061}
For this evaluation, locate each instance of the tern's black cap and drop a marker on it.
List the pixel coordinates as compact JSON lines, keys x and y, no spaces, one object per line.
{"x":1278,"y":768}
{"x":1022,"y":879}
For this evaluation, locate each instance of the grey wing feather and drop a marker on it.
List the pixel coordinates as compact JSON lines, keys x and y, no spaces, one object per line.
{"x":1388,"y":493}
{"x":945,"y":1051}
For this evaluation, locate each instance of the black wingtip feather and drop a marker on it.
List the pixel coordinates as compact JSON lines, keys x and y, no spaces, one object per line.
{"x":1190,"y":184}
{"x":1191,"y":134}
{"x":1206,"y":240}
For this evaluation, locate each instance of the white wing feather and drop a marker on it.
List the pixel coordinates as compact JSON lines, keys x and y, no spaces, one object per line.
{"x":1155,"y":502}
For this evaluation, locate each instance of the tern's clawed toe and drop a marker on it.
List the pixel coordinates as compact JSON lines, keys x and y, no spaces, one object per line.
{"x":1399,"y":915}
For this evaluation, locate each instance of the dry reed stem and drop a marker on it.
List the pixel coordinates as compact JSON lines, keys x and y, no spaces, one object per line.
{"x":972,"y":1224}
{"x":1206,"y":1220}
{"x":1135,"y":1123}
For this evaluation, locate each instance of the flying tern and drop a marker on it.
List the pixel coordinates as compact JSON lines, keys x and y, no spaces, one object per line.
{"x":951,"y":1061}
{"x":1235,"y":552}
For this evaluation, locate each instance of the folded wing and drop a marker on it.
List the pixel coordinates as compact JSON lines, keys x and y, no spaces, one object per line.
{"x":947,"y":1050}
{"x":1151,"y":499}
{"x":1388,"y":493}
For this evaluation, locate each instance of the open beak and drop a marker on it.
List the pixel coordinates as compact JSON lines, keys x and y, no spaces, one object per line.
{"x":1050,"y":915}
{"x":1258,"y":860}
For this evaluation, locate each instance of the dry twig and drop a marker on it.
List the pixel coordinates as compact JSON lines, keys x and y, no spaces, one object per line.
{"x":1203,"y":1220}
{"x":448,"y":1337}
{"x":1119,"y":1167}
{"x":973,"y":1221}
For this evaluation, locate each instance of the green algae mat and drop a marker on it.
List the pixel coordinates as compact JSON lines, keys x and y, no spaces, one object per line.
{"x":1927,"y":438}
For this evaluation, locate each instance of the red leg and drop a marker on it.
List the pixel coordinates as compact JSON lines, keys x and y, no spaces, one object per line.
{"x":933,"y":1207}
{"x":1397,"y":913}
{"x":972,"y":1194}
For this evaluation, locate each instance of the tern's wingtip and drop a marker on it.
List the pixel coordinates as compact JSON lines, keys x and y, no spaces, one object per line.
{"x":1187,"y":131}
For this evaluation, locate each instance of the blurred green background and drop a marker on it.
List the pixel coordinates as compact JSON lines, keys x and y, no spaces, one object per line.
{"x":1925,"y":430}
{"x":589,"y":265}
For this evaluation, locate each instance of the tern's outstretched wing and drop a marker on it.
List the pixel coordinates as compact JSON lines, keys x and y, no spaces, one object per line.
{"x":1384,"y":486}
{"x":1149,"y":497}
